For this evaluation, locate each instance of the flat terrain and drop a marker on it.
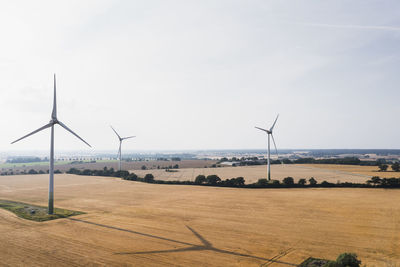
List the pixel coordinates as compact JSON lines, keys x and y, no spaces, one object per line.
{"x":99,"y":165}
{"x":132,"y":223}
{"x":329,"y":173}
{"x":356,"y":169}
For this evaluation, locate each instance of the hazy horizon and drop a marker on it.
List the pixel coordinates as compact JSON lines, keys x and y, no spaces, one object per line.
{"x":190,"y":75}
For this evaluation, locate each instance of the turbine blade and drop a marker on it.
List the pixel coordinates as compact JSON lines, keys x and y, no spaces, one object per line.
{"x":69,"y":130}
{"x":261,"y":129}
{"x":273,"y":140}
{"x":127,"y":137}
{"x":115,"y":132}
{"x":38,"y":130}
{"x":205,"y":242}
{"x":273,"y":125}
{"x":54,"y":113}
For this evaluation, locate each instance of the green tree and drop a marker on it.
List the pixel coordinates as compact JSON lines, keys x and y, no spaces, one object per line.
{"x":144,"y":167}
{"x":262,"y":182}
{"x":213,"y":179}
{"x":396,"y":167}
{"x":288,"y":181}
{"x":375,"y":180}
{"x":275,"y":182}
{"x":302,"y":181}
{"x":200,"y":179}
{"x":312,"y":181}
{"x":131,"y":177}
{"x":348,"y":260}
{"x":239,"y":181}
{"x":32,"y":171}
{"x":383,"y":167}
{"x":149,"y":178}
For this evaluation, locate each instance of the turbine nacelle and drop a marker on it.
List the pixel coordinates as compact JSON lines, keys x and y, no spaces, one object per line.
{"x":119,"y":155}
{"x":269,"y":133}
{"x":264,"y":130}
{"x":53,"y":121}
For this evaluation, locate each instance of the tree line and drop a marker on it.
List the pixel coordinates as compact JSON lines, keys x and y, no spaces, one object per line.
{"x":395,"y":167}
{"x":215,"y":180}
{"x":249,"y":161}
{"x":25,"y":172}
{"x":26,"y":160}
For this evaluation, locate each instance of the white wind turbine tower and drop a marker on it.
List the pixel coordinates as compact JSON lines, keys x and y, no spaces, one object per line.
{"x":269,"y":133}
{"x":120,"y":144}
{"x":51,"y":124}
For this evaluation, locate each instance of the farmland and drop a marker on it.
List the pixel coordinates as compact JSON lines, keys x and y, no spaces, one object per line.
{"x":100,"y":164}
{"x":321,"y":172}
{"x":146,"y":224}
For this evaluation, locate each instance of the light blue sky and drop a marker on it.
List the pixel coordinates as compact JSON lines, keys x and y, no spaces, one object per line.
{"x":202,"y":74}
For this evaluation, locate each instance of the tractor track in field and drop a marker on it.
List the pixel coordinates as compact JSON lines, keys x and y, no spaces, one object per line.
{"x":277,"y":257}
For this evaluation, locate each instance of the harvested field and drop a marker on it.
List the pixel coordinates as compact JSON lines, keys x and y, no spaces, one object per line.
{"x":330,"y":173}
{"x":362,"y":170}
{"x":132,"y":223}
{"x":99,"y":165}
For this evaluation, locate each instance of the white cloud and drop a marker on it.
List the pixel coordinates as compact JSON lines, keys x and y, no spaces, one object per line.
{"x":189,"y":74}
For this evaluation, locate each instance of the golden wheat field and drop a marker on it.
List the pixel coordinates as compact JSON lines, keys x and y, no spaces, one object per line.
{"x":361,"y":170}
{"x":321,"y":172}
{"x":138,"y":224}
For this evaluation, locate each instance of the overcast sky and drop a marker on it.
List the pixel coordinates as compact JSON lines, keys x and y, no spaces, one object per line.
{"x":201,"y":74}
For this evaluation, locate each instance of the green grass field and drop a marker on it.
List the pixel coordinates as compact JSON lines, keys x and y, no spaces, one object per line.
{"x":35,"y":213}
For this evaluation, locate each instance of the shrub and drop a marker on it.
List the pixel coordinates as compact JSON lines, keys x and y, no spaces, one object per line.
{"x":200,"y":179}
{"x":87,"y":172}
{"x":149,"y":178}
{"x":131,"y":177}
{"x":32,"y":171}
{"x":331,"y":264}
{"x":383,"y":167}
{"x":239,"y":181}
{"x":262,"y":182}
{"x":288,"y":181}
{"x":213,"y":179}
{"x":302,"y":181}
{"x":374,"y":180}
{"x":121,"y":174}
{"x":396,"y":167}
{"x":348,"y":260}
{"x":326,"y":184}
{"x":312,"y":181}
{"x":74,"y":171}
{"x":275,"y":182}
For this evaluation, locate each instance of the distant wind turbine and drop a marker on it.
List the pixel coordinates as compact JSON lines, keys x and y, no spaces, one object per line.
{"x":269,"y":133}
{"x":51,"y":124}
{"x":120,"y":145}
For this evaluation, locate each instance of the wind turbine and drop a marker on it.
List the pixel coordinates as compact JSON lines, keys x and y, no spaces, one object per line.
{"x":51,"y":124}
{"x":120,"y":144}
{"x":269,"y":133}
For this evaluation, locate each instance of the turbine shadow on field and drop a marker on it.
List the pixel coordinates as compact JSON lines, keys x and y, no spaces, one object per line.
{"x":130,"y":231}
{"x":206,"y":245}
